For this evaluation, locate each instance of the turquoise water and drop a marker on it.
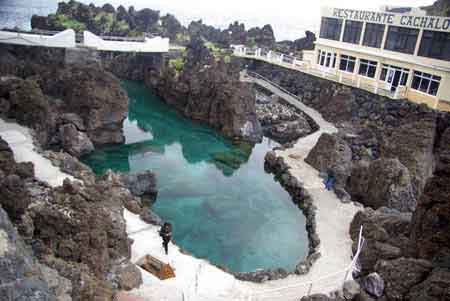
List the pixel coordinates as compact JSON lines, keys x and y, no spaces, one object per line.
{"x":224,"y":207}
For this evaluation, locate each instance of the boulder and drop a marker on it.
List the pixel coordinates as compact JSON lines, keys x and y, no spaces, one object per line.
{"x":443,"y":157}
{"x":386,"y":232}
{"x":401,"y":275}
{"x":383,"y":183}
{"x":373,"y":284}
{"x":332,"y":153}
{"x":141,"y":184}
{"x":412,"y":142}
{"x":93,"y":94}
{"x":129,"y":277}
{"x":150,"y":217}
{"x":74,"y":142}
{"x":434,"y":288}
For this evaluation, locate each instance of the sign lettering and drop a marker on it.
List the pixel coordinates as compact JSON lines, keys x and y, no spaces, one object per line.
{"x":422,"y":22}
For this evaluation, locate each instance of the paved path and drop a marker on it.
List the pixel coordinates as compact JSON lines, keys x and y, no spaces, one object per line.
{"x":21,"y":143}
{"x":198,"y":280}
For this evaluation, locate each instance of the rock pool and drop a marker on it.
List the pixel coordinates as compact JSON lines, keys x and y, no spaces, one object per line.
{"x":224,"y":207}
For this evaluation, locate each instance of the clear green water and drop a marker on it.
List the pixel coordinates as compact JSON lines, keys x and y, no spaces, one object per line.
{"x":224,"y":207}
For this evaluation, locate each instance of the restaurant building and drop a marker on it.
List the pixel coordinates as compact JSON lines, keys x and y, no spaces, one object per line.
{"x":399,"y":52}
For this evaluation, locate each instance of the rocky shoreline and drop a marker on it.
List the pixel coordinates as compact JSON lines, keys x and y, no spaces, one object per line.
{"x":276,"y":165}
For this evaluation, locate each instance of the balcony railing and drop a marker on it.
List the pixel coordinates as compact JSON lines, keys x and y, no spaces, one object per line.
{"x":331,"y":74}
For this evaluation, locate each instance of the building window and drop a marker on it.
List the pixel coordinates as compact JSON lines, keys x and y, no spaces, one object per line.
{"x":347,"y":63}
{"x":352,"y":32}
{"x":426,"y":83}
{"x":402,"y":39}
{"x":373,"y":35}
{"x":394,"y":76}
{"x":326,"y":59}
{"x":331,"y":29}
{"x":367,"y":68}
{"x":435,"y":45}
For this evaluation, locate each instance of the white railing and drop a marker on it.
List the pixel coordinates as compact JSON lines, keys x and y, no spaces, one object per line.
{"x":156,"y":44}
{"x":298,"y":64}
{"x":325,"y":284}
{"x":64,"y":39}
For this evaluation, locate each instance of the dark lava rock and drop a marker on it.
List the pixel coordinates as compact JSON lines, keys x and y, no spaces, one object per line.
{"x":434,"y":288}
{"x":386,"y":233}
{"x":21,"y":276}
{"x":129,"y":277}
{"x":317,"y":297}
{"x":373,"y":284}
{"x":141,"y":184}
{"x":75,"y":142}
{"x":401,"y":275}
{"x":93,"y":94}
{"x":430,"y":234}
{"x":332,"y":153}
{"x":383,"y":183}
{"x":148,"y":216}
{"x":412,"y":143}
{"x":210,"y":92}
{"x":282,"y":122}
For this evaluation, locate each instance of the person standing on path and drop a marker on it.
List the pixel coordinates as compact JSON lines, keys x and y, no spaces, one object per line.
{"x":166,"y":235}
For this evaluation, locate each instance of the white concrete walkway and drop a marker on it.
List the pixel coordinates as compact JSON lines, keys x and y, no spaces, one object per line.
{"x":21,"y":143}
{"x":198,"y":280}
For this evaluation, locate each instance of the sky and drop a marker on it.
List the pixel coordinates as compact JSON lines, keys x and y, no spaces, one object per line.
{"x":289,"y":18}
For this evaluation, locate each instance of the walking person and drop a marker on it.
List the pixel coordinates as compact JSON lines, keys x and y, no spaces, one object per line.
{"x":166,"y":235}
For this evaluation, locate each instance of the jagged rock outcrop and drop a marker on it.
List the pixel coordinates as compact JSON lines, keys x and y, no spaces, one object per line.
{"x":331,"y":153}
{"x":439,"y":8}
{"x":21,"y":276}
{"x":400,"y":275}
{"x":382,"y":183}
{"x":210,"y":92}
{"x":282,"y":123}
{"x":386,"y":232}
{"x":70,"y":108}
{"x":430,"y":235}
{"x":77,"y":230}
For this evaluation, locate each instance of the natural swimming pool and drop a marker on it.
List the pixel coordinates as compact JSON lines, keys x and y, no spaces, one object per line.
{"x":224,"y":207}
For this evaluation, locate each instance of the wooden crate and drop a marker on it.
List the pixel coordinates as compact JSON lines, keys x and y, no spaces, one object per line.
{"x":156,"y":267}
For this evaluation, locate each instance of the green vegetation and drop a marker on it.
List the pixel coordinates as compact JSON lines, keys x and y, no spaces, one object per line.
{"x":177,"y":64}
{"x":104,"y":21}
{"x":216,"y":51}
{"x":66,"y":22}
{"x":182,"y":37}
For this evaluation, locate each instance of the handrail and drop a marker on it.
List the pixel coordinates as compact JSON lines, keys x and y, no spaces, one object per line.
{"x":259,"y":76}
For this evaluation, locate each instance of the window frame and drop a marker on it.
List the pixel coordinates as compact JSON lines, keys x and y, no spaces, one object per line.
{"x":403,"y":77}
{"x":368,"y":64}
{"x":348,"y":59}
{"x":432,"y":41}
{"x":327,"y":59}
{"x":374,"y":35}
{"x":423,"y":76}
{"x":331,"y":29}
{"x":352,"y":32}
{"x":398,"y":39}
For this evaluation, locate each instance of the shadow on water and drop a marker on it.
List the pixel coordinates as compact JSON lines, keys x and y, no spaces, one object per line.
{"x":223,"y":205}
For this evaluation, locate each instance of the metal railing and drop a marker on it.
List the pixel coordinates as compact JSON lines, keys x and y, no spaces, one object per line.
{"x":324,"y":284}
{"x":298,"y":64}
{"x":251,"y":74}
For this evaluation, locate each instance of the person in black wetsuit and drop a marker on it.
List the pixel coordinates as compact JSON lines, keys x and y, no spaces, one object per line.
{"x":166,"y":235}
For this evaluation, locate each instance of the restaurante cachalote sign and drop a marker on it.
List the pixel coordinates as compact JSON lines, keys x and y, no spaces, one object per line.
{"x":406,"y":20}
